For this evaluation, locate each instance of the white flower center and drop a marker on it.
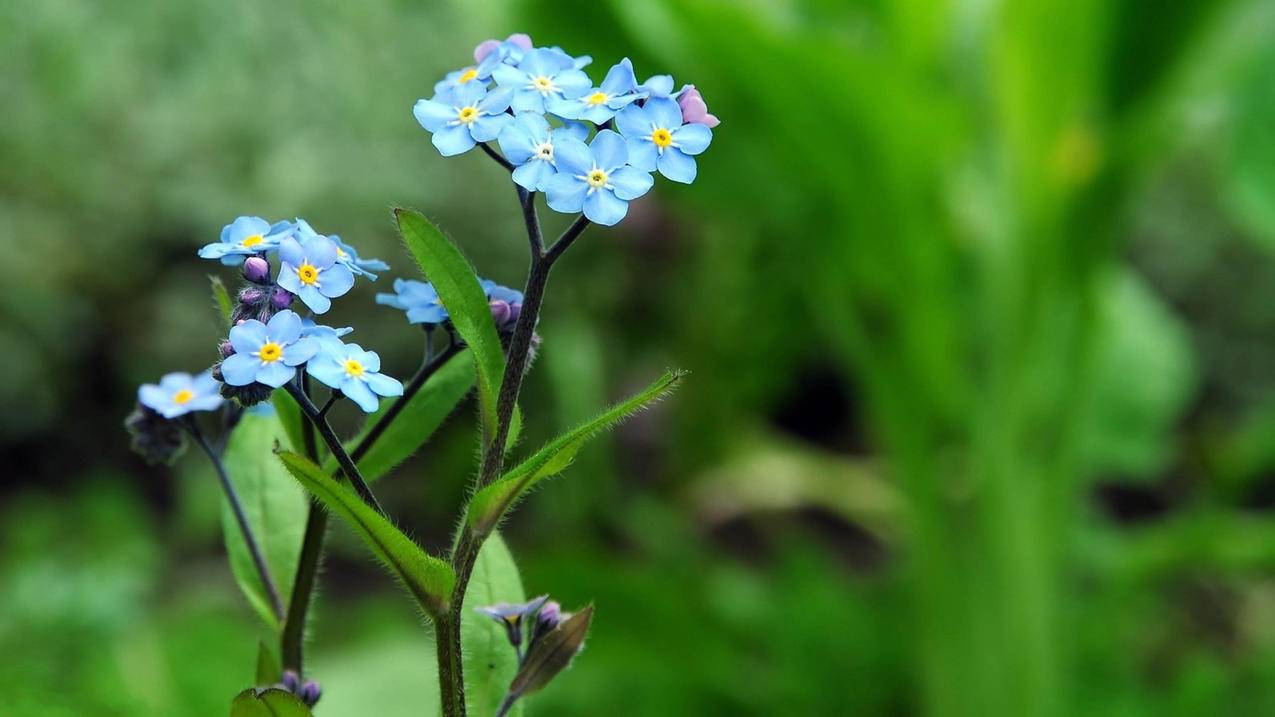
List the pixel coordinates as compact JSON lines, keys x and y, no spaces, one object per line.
{"x":544,"y":151}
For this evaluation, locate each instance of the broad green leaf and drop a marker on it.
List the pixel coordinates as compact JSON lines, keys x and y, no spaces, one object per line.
{"x":429,"y":579}
{"x":490,"y":504}
{"x":290,"y":416}
{"x":269,"y":667}
{"x":490,"y":662}
{"x":418,"y":420}
{"x":457,"y":285}
{"x":221,"y":298}
{"x":275,"y":507}
{"x":270,"y":702}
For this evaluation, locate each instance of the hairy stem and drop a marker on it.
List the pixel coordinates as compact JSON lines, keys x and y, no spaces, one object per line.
{"x":232,"y":497}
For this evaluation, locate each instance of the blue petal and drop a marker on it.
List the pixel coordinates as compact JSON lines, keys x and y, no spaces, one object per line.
{"x":434,"y":314}
{"x":204,"y":383}
{"x":516,"y":144}
{"x":152,"y":396}
{"x":288,"y":278}
{"x":310,"y":296}
{"x":677,"y":166}
{"x":497,"y":101}
{"x":290,"y":252}
{"x":214,"y":251}
{"x":321,"y":251}
{"x":630,"y":183}
{"x":659,"y":85}
{"x":565,"y":193}
{"x":693,"y":138}
{"x":275,"y":374}
{"x":284,"y":327}
{"x":301,"y":351}
{"x":609,"y":151}
{"x":573,"y":83}
{"x":241,"y":227}
{"x":384,"y":385}
{"x":336,"y":280}
{"x":643,"y":154}
{"x":432,"y":115}
{"x":526,"y":100}
{"x":603,"y":207}
{"x":573,"y":130}
{"x":572,"y":156}
{"x":508,"y":76}
{"x":633,"y":122}
{"x":326,"y":370}
{"x":209,"y":402}
{"x":664,"y":112}
{"x":357,"y":391}
{"x":544,"y":61}
{"x":468,"y":95}
{"x":488,"y":127}
{"x":239,"y":369}
{"x":620,"y":78}
{"x":597,"y":114}
{"x":533,"y":175}
{"x":453,"y":140}
{"x":563,"y":107}
{"x":248,"y":336}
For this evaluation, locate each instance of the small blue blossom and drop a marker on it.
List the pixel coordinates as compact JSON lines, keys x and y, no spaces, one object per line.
{"x":658,"y":138}
{"x":528,"y":144}
{"x":346,"y":254}
{"x":596,"y":178}
{"x":600,"y":104}
{"x":178,"y":393}
{"x":312,"y":272}
{"x":246,"y":236}
{"x":545,"y":80}
{"x":477,"y":74}
{"x":418,"y":298}
{"x":355,"y":373}
{"x":467,"y":115}
{"x":267,"y":353}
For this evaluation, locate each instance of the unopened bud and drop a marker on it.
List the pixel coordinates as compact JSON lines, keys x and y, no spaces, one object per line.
{"x":290,"y":680}
{"x":257,"y":270}
{"x":226,"y":349}
{"x":281,"y":299}
{"x":500,"y":312}
{"x":250,"y":297}
{"x":310,"y":693}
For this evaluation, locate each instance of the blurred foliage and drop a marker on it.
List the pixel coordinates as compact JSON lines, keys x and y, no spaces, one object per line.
{"x":977,"y":298}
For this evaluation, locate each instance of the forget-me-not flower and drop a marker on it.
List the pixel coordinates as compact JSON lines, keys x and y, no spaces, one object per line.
{"x":528,"y":144}
{"x":418,"y":298}
{"x":355,"y":373}
{"x":312,"y":272}
{"x":544,"y":81}
{"x":467,"y":115}
{"x":658,"y":138}
{"x":346,"y":254}
{"x":596,"y":178}
{"x":600,"y":104}
{"x":178,"y":393}
{"x":267,"y":353}
{"x":246,"y":236}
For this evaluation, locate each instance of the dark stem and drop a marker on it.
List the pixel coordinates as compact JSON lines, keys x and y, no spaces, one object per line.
{"x":412,"y":387}
{"x":333,"y":442}
{"x":496,"y":156}
{"x":323,"y":412}
{"x":232,"y":497}
{"x":506,"y":704}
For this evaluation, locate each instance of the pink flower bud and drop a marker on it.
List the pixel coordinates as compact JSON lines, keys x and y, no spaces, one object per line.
{"x":694,"y":109}
{"x":486,"y":47}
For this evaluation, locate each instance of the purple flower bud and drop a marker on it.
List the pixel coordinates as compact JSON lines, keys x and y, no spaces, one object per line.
{"x":250,"y":297}
{"x":500,"y":312}
{"x":281,"y":299}
{"x":694,"y":109}
{"x":225,"y":349}
{"x":549,"y":617}
{"x":290,"y":680}
{"x":256,"y":270}
{"x":310,"y":693}
{"x":486,"y":47}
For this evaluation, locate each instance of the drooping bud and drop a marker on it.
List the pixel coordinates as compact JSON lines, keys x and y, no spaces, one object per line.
{"x":310,"y":693}
{"x":500,"y":313}
{"x":694,"y":109}
{"x":281,"y":299}
{"x":257,"y":270}
{"x":155,"y":438}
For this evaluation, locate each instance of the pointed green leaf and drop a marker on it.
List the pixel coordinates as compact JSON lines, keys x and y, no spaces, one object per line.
{"x":270,"y":702}
{"x":490,"y":662}
{"x":290,"y":416}
{"x":429,"y":579}
{"x":269,"y":666}
{"x":275,"y":507}
{"x":221,"y":298}
{"x":457,"y":285}
{"x":490,"y":504}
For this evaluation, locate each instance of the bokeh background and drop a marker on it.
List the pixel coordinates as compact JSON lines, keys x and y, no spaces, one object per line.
{"x":979,"y":298}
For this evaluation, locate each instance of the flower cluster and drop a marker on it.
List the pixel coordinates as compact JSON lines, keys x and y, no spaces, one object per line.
{"x":538,"y":104}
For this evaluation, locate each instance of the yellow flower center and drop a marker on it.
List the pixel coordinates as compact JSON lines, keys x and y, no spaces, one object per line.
{"x":467,"y":114}
{"x":308,"y":274}
{"x":251,"y":241}
{"x":183,"y":396}
{"x":662,"y":138}
{"x":597,"y":179}
{"x":542,"y":83}
{"x":340,"y":252}
{"x":270,"y":352}
{"x":469,"y":74}
{"x":597,"y":98}
{"x":354,"y":368}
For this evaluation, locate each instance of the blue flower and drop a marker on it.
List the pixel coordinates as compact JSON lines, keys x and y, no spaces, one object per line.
{"x":312,"y":272}
{"x":595,"y":178}
{"x":418,"y":298}
{"x":180,"y":393}
{"x":600,"y":104}
{"x":246,"y":236}
{"x":354,"y":372}
{"x":545,"y":80}
{"x":468,"y":115}
{"x":267,"y":353}
{"x":477,"y":74}
{"x":325,"y":335}
{"x":346,"y":254}
{"x":528,"y":143}
{"x":658,"y":139}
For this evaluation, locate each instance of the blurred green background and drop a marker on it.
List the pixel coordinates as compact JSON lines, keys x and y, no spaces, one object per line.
{"x":979,"y":299}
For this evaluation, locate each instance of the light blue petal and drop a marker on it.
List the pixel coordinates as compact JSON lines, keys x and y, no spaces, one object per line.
{"x":659,"y":85}
{"x":603,"y":207}
{"x":468,"y":95}
{"x":573,"y":83}
{"x":384,"y":385}
{"x":565,"y":193}
{"x":643,"y":154}
{"x":284,"y":327}
{"x":248,"y":336}
{"x":534,"y":175}
{"x":497,"y":100}
{"x":153,"y":397}
{"x":326,"y":370}
{"x":574,"y":130}
{"x":609,"y":150}
{"x":454,"y":140}
{"x":677,"y":166}
{"x":572,"y":156}
{"x":301,"y":351}
{"x":288,"y":278}
{"x":563,"y":108}
{"x":214,"y":251}
{"x":526,"y":100}
{"x":239,"y":369}
{"x":508,"y":76}
{"x":426,"y":314}
{"x":370,"y":360}
{"x":516,"y":143}
{"x":664,"y":112}
{"x":633,"y":122}
{"x":391,"y":300}
{"x":357,"y":391}
{"x":275,"y":374}
{"x":597,"y":114}
{"x":207,"y":402}
{"x":242,"y":227}
{"x":432,"y":115}
{"x":630,"y":183}
{"x":205,"y":383}
{"x":336,"y":280}
{"x":692,"y":138}
{"x":620,"y":78}
{"x":290,"y":252}
{"x":176,"y":381}
{"x":321,"y":251}
{"x":311,"y":297}
{"x":488,"y":127}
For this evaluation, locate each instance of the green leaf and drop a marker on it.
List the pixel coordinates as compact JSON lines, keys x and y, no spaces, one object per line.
{"x":272,"y":702}
{"x":275,"y":507}
{"x":457,"y":285}
{"x":552,"y":653}
{"x":290,"y":416}
{"x":418,"y":420}
{"x":490,"y":504}
{"x":490,"y":662}
{"x":269,"y":666}
{"x":429,"y":579}
{"x":221,"y":298}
